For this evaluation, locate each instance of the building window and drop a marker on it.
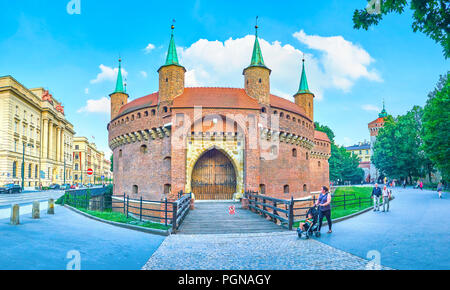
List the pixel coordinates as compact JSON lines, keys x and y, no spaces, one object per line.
{"x":167,"y":189}
{"x":167,"y":163}
{"x":165,"y":109}
{"x":153,"y":112}
{"x":286,"y":189}
{"x":77,"y":147}
{"x":76,"y":176}
{"x":135,"y":189}
{"x":281,"y":115}
{"x":36,"y":169}
{"x":307,"y":156}
{"x":120,"y":153}
{"x":262,"y":188}
{"x":294,"y":152}
{"x":305,"y":188}
{"x":144,"y":149}
{"x":14,"y":171}
{"x":319,"y":163}
{"x":146,"y":114}
{"x":273,"y":150}
{"x":76,"y":167}
{"x":29,"y":170}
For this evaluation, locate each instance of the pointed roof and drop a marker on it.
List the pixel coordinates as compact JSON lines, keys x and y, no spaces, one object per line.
{"x":172,"y":56}
{"x":303,"y":89}
{"x":119,"y":83}
{"x":257,"y":58}
{"x":383,"y":113}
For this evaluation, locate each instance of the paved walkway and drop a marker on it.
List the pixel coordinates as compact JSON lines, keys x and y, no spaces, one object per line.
{"x":214,"y":218}
{"x":415,"y":234}
{"x":28,"y":197}
{"x":270,"y":251}
{"x":43,"y":244}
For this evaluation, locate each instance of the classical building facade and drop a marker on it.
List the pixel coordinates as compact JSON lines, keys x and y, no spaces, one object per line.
{"x":33,"y":127}
{"x":363,"y":151}
{"x":216,"y":142}
{"x":87,"y":156}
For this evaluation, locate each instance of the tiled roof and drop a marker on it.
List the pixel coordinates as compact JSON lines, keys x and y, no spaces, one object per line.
{"x":379,"y":120}
{"x":215,"y":98}
{"x":287,"y":105}
{"x":147,"y":101}
{"x":318,"y":135}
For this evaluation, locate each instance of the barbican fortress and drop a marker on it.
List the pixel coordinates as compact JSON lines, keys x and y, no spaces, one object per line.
{"x":216,"y":142}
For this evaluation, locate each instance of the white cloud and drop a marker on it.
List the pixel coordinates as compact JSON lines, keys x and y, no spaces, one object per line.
{"x":86,"y":91}
{"x":343,"y":61}
{"x":143,"y":74}
{"x":108,"y":74}
{"x":216,"y":63}
{"x":370,"y":108}
{"x":149,"y":48}
{"x":101,"y":106}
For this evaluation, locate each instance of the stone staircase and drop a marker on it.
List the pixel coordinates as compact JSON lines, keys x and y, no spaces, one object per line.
{"x":214,"y":218}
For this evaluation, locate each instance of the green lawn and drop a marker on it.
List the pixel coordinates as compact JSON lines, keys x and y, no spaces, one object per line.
{"x":352,"y":205}
{"x":121,"y":218}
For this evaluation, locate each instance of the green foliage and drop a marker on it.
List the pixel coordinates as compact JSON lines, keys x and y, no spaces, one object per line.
{"x":343,"y":166}
{"x":112,"y":163}
{"x":436,"y":127}
{"x":431,"y":17}
{"x":397,"y":151}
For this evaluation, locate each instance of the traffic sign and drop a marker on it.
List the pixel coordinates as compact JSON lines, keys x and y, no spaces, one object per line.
{"x":90,"y":171}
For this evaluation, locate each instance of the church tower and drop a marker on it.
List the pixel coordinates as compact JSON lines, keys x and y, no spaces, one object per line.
{"x":120,"y":96}
{"x":171,"y":75}
{"x":304,"y":98}
{"x":257,"y":76}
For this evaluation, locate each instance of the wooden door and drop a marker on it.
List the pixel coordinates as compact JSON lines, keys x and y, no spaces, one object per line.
{"x":214,"y":177}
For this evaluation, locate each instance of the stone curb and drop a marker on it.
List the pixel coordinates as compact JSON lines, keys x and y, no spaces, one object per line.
{"x":126,"y":226}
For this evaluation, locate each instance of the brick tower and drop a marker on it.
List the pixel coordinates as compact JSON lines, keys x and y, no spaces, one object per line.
{"x":120,"y":96}
{"x":171,"y":75}
{"x":304,"y":98}
{"x":257,"y":76}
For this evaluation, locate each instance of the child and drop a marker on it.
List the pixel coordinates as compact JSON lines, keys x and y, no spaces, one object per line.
{"x":307,"y":224}
{"x":439,"y":189}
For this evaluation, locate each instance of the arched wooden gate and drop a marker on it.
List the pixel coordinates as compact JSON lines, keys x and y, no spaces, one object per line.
{"x":213,"y":177}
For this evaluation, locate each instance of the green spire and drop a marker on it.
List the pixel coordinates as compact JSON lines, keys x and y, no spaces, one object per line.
{"x":119,"y":83}
{"x":303,"y":89}
{"x":257,"y":58}
{"x":172,"y":56}
{"x":383,"y":113}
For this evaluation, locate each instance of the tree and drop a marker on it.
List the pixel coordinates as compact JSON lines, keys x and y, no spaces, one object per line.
{"x":397,"y":151}
{"x":343,"y":166}
{"x":112,"y":162}
{"x":436,"y":126}
{"x":431,"y":17}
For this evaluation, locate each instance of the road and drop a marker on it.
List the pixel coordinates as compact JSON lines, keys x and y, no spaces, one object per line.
{"x":415,"y":234}
{"x":6,"y":200}
{"x":44,"y":244}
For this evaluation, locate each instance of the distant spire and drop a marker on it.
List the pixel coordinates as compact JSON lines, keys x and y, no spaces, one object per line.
{"x":119,"y":83}
{"x":303,"y":89}
{"x":172,"y":56}
{"x":383,"y":113}
{"x":257,"y":58}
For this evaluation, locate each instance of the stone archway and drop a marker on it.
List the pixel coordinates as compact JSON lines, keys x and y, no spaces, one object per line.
{"x":214,"y":177}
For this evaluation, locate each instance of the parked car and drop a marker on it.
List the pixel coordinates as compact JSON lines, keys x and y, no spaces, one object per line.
{"x":73,"y":186}
{"x":11,"y":188}
{"x":54,"y":187}
{"x":65,"y":186}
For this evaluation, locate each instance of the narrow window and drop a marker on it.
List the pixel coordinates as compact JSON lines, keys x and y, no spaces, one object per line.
{"x":286,"y":189}
{"x":135,"y":189}
{"x":305,"y":188}
{"x":120,"y":153}
{"x":167,"y":189}
{"x":307,"y":156}
{"x":262,"y":188}
{"x":294,"y":152}
{"x":144,"y":149}
{"x":319,"y":163}
{"x":14,"y":169}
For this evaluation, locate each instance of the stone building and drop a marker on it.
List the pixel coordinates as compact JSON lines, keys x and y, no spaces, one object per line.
{"x":33,"y":126}
{"x":87,"y":156}
{"x":216,"y":142}
{"x":363,"y":151}
{"x":374,"y":128}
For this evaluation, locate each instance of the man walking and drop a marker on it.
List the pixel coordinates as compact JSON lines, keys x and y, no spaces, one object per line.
{"x":386,"y":198}
{"x":376,"y":194}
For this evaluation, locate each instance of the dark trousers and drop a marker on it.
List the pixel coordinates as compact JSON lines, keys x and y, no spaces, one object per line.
{"x":326,"y":214}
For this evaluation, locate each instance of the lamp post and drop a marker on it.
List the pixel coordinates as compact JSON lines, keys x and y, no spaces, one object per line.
{"x":23,"y":163}
{"x":64,"y":169}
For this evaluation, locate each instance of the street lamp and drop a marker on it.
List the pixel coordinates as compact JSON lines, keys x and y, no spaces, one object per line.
{"x":23,"y":163}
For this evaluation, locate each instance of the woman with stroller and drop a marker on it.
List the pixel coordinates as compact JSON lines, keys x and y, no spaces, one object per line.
{"x":324,"y":203}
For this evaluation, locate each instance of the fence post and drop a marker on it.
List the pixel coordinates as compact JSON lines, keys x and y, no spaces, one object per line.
{"x":291,"y":213}
{"x":165,"y":212}
{"x":359,"y":201}
{"x":128,"y":204}
{"x":344,"y":200}
{"x":87,"y":201}
{"x":124,"y":203}
{"x":140,"y":210}
{"x":174,"y":216}
{"x":275,"y":212}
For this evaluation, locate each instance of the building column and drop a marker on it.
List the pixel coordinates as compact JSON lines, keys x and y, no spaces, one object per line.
{"x":61,"y":154}
{"x":50,"y":140}
{"x":58,"y":143}
{"x":44,"y":139}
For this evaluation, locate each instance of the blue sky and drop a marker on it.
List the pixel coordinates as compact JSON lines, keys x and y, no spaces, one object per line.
{"x":351,"y":71}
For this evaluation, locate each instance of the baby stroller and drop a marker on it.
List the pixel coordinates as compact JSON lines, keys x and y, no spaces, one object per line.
{"x":313,"y":228}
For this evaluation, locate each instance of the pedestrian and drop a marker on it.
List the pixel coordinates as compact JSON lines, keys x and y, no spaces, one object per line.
{"x":386,"y":198}
{"x":439,"y":189}
{"x":404,"y":183}
{"x":324,"y":203}
{"x":421,"y":185}
{"x":376,"y":194}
